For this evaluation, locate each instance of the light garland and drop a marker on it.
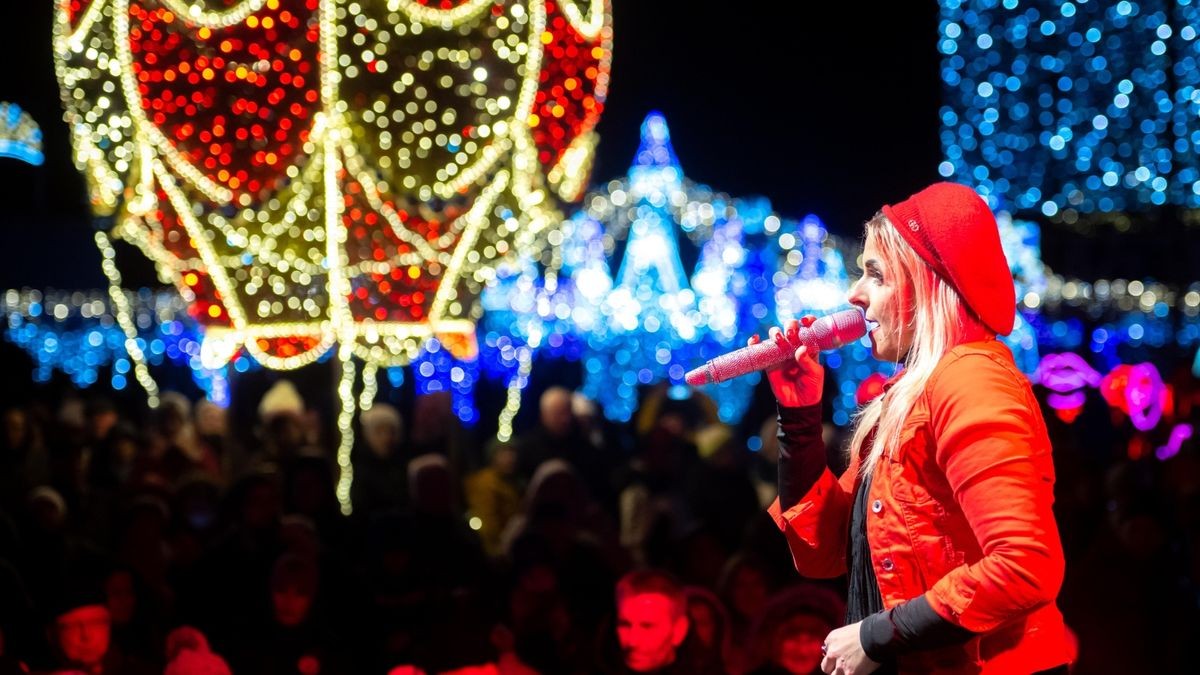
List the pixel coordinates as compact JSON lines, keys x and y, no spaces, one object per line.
{"x":20,"y":136}
{"x":321,"y":171}
{"x":81,"y":333}
{"x":111,"y":61}
{"x":1076,"y":111}
{"x":121,"y":305}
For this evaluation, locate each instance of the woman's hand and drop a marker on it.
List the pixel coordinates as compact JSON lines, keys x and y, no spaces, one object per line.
{"x":844,"y":654}
{"x":800,"y":381}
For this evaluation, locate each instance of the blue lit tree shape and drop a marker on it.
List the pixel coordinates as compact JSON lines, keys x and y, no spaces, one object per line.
{"x":652,"y":321}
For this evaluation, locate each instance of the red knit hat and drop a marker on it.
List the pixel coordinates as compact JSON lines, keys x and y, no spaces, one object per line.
{"x":952,"y":229}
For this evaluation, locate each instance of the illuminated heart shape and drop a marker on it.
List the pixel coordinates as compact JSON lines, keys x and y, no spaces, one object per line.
{"x":308,"y":171}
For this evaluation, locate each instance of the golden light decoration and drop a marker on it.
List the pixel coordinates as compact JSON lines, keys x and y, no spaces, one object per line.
{"x":318,"y":172}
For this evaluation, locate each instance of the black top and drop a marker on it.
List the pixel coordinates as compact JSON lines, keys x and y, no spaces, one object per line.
{"x":885,"y":633}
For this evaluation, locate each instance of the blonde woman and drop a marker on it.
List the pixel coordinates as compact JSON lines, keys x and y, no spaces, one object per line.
{"x":942,"y":522}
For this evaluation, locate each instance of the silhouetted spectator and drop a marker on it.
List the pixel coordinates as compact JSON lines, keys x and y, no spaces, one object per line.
{"x":493,"y":496}
{"x":709,"y":624}
{"x":787,"y":635}
{"x":380,"y":463}
{"x":295,"y":637}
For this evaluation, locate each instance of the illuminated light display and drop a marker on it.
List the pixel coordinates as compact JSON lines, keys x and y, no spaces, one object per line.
{"x":20,"y":136}
{"x":1072,"y":110}
{"x":77,"y":334}
{"x":1067,"y":377}
{"x":319,"y":172}
{"x":656,"y":317}
{"x":1179,"y":434}
{"x":1144,"y":396}
{"x":1021,"y":241}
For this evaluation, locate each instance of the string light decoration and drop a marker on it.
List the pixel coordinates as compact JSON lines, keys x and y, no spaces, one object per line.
{"x":657,"y":317}
{"x":77,"y":334}
{"x":1072,"y":110}
{"x":1021,"y":242}
{"x":318,"y":172}
{"x":20,"y":136}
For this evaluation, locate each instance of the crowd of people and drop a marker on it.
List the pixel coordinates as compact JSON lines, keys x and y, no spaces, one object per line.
{"x":169,"y":543}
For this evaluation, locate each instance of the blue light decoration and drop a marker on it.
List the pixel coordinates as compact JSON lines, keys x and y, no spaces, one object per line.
{"x":76,"y":334}
{"x":20,"y":136}
{"x":436,"y":369}
{"x":1063,"y":109}
{"x":652,"y":321}
{"x":1021,"y":242}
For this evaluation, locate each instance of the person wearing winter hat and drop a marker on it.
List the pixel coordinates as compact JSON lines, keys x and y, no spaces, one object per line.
{"x":942,"y":521}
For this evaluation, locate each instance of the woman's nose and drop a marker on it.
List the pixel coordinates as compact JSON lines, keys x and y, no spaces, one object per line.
{"x":856,"y":296}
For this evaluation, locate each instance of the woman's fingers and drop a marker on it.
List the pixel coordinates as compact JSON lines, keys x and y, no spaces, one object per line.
{"x":793,"y":331}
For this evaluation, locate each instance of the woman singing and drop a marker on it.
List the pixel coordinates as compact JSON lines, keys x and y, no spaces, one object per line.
{"x":943,"y":518}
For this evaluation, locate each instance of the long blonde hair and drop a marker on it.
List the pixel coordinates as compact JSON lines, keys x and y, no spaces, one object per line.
{"x":937,"y":319}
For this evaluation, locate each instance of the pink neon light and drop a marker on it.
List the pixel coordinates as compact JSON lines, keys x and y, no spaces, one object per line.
{"x":1179,"y":434}
{"x":1065,"y":375}
{"x":1144,"y":394}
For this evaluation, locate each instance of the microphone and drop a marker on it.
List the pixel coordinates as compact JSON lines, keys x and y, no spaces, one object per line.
{"x":827,"y":332}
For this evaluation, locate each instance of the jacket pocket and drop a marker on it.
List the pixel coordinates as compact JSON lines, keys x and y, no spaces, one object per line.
{"x":912,"y":480}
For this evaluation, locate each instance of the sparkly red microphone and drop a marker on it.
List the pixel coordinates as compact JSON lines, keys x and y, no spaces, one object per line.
{"x":827,"y":332}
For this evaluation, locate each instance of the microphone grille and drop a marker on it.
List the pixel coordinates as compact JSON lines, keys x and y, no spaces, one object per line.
{"x":851,"y":324}
{"x":837,"y":329}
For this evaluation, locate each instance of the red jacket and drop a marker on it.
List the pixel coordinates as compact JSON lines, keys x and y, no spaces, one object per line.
{"x":961,"y":512}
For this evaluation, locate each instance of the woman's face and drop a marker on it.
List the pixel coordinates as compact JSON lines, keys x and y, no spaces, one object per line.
{"x":885,"y":295}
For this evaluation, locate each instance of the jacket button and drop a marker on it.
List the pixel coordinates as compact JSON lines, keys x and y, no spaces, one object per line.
{"x":888,"y":565}
{"x":876,"y":506}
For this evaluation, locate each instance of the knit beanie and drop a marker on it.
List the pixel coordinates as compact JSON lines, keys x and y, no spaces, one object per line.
{"x":954,"y":232}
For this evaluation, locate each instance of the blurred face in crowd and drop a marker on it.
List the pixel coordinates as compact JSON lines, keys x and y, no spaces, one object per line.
{"x":83,"y":634}
{"x":47,"y":512}
{"x":799,"y":647}
{"x":171,"y":420}
{"x":285,"y":430}
{"x":748,"y":594}
{"x":291,"y":605}
{"x":122,"y":602}
{"x":556,"y":415}
{"x":211,"y":419}
{"x":16,"y":427}
{"x":649,"y":630}
{"x":102,"y":422}
{"x":261,"y":508}
{"x":505,"y":460}
{"x":883,"y":293}
{"x":704,"y":623}
{"x":382,"y":438}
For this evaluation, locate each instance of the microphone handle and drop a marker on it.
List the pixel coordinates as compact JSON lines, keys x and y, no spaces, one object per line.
{"x":745,"y":360}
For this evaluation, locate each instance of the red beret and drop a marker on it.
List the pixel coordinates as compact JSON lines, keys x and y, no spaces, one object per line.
{"x":952,"y":229}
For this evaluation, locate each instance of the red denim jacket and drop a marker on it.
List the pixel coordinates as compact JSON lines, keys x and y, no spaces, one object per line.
{"x":959,"y":511}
